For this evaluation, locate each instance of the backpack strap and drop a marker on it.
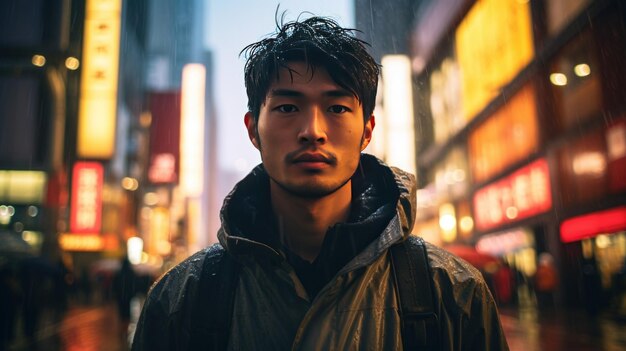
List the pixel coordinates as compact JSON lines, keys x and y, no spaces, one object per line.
{"x":420,"y":326}
{"x":212,"y":314}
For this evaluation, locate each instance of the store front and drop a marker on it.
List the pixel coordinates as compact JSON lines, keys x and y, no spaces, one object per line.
{"x":517,"y":251}
{"x":595,"y":254}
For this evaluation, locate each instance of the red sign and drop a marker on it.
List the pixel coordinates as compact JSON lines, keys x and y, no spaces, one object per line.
{"x":164,"y":137}
{"x":523,"y":194}
{"x":86,"y":205}
{"x":592,"y":224}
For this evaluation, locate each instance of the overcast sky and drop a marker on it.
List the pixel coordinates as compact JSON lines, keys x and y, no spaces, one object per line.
{"x":231,"y":25}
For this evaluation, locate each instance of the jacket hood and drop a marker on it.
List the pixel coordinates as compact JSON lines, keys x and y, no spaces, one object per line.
{"x":383,"y":197}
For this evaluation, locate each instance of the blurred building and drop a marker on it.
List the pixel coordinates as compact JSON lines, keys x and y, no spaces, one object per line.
{"x":520,"y":131}
{"x":37,"y":69}
{"x":91,"y":116}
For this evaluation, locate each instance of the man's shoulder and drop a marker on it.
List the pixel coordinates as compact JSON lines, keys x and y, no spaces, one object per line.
{"x":444,"y":265}
{"x":177,"y":282}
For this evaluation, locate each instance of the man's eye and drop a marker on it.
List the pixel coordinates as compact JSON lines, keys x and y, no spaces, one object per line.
{"x":286,"y":108}
{"x":338,"y":109}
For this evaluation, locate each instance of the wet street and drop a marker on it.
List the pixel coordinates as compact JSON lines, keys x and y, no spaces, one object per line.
{"x":98,"y":328}
{"x":526,"y":330}
{"x":83,"y":328}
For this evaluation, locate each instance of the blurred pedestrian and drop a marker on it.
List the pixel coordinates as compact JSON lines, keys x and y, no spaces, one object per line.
{"x":124,"y":289}
{"x":84,"y":286}
{"x":546,"y":281}
{"x":591,"y":285}
{"x":62,"y":280}
{"x":36,"y":280}
{"x":504,"y":282}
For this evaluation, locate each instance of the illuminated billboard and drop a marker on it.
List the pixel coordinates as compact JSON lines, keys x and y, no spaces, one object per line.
{"x":523,"y":194}
{"x":493,"y":43}
{"x":86,"y":200}
{"x":99,"y":76}
{"x":508,"y":136}
{"x":192,"y":129}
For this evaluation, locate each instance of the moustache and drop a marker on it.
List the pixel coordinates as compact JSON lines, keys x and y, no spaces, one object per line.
{"x":311,"y":154}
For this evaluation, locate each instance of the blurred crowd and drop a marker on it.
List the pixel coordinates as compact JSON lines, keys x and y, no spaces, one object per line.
{"x":35,"y":292}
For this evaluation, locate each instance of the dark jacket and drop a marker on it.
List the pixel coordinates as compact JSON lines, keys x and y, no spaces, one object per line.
{"x":355,"y":307}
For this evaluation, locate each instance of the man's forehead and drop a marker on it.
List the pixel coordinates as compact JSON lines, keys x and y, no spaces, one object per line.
{"x":300,"y":72}
{"x":297,"y":77}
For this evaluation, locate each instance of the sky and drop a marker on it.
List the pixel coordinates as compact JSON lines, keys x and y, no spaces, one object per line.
{"x":230,"y":26}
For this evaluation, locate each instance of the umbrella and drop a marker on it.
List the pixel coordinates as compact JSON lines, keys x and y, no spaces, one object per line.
{"x":469,"y":254}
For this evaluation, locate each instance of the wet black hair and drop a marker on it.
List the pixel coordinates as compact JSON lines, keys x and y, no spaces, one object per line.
{"x":319,"y":42}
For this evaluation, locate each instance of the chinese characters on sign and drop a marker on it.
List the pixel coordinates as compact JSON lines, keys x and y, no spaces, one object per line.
{"x":86,"y":205}
{"x":162,"y":168}
{"x":98,"y":93}
{"x":523,"y":194}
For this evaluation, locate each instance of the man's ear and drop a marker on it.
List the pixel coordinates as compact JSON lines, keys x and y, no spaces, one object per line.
{"x":250,"y":123}
{"x":367,"y":132}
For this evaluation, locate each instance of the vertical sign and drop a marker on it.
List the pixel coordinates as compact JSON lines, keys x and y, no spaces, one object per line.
{"x":86,"y":203}
{"x":164,"y":137}
{"x":98,"y":92}
{"x":398,"y":107}
{"x":192,"y":129}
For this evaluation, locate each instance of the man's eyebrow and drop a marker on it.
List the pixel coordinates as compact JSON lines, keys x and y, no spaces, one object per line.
{"x":338,"y":93}
{"x":295,"y":93}
{"x":285,"y":92}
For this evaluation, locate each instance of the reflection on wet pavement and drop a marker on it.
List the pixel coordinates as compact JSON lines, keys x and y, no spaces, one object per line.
{"x":528,"y":330}
{"x":95,"y":328}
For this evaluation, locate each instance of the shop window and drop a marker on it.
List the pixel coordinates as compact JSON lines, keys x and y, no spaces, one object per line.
{"x":451,"y":176}
{"x":445,"y":100}
{"x":575,"y":79}
{"x":583,"y":169}
{"x":509,"y":136}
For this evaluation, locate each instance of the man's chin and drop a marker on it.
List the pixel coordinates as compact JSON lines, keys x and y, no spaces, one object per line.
{"x":309,"y":191}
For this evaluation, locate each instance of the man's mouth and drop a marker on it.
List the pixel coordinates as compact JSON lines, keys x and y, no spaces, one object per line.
{"x":312,"y":160}
{"x":311,"y":157}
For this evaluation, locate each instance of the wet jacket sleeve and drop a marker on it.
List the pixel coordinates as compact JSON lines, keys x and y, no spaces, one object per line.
{"x":468,"y":315}
{"x":164,"y":323}
{"x":483,"y":330}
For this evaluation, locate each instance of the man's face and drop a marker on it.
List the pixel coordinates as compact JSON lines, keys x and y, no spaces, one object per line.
{"x":310,"y":132}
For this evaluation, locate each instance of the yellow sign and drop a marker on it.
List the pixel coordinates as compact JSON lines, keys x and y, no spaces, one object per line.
{"x":88,"y":242}
{"x":508,"y":136}
{"x":493,"y":43}
{"x":98,"y":94}
{"x":22,"y":187}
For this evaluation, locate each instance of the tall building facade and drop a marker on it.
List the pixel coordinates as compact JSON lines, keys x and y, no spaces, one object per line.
{"x":520,"y":127}
{"x":91,"y":106}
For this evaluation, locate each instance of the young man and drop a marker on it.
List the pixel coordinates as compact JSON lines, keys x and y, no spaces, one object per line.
{"x":311,"y":228}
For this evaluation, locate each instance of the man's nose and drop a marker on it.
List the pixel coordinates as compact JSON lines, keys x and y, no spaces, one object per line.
{"x":313,"y":128}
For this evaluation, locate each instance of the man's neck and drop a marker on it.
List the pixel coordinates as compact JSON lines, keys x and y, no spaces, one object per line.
{"x":303,"y":222}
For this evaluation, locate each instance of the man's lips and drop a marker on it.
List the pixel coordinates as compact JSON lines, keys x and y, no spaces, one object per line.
{"x":311,"y":160}
{"x":311,"y":157}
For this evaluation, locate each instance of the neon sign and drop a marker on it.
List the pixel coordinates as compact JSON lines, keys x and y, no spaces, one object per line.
{"x":523,"y":194}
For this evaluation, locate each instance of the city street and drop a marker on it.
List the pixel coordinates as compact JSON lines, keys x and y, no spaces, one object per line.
{"x":83,"y":328}
{"x":571,"y":331}
{"x":98,"y":329}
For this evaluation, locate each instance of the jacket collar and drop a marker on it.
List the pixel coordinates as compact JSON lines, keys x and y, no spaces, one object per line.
{"x":383,"y":211}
